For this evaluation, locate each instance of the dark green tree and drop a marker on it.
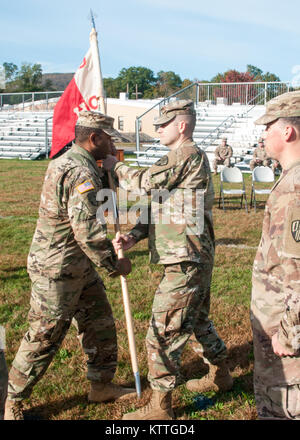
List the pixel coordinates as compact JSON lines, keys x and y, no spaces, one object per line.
{"x":260,"y":76}
{"x":140,"y":77}
{"x":29,"y":77}
{"x":26,"y":79}
{"x":11,"y":70}
{"x":167,"y":83}
{"x":112,"y":87}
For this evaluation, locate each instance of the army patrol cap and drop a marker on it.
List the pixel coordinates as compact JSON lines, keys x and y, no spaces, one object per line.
{"x":286,"y":105}
{"x":174,"y":108}
{"x":98,"y":121}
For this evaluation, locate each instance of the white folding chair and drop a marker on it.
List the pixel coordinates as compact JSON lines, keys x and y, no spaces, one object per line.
{"x":260,"y":175}
{"x":232,"y":175}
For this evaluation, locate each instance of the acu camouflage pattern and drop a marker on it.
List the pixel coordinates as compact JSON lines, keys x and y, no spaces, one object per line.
{"x":182,"y":300}
{"x":65,"y":285}
{"x":68,"y":236}
{"x":277,"y":402}
{"x":260,"y":153}
{"x":98,"y":121}
{"x":286,"y":105}
{"x":187,"y":167}
{"x":174,"y":108}
{"x":222,"y":156}
{"x":55,"y":304}
{"x":275,"y":304}
{"x":223,"y":152}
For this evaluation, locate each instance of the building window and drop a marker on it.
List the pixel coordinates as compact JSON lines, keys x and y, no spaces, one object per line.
{"x":120,"y":123}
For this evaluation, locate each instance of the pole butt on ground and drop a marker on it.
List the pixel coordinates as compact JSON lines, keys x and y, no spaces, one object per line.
{"x":138,"y":384}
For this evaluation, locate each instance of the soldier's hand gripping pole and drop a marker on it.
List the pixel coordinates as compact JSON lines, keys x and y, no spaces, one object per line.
{"x":126,"y":301}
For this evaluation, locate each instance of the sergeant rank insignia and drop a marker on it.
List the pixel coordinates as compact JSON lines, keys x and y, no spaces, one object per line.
{"x":296,"y":230}
{"x":85,"y":186}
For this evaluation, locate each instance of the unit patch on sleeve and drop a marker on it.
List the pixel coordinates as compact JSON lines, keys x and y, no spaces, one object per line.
{"x":295,"y":229}
{"x":163,"y":161}
{"x":85,"y":186}
{"x":291,"y":233}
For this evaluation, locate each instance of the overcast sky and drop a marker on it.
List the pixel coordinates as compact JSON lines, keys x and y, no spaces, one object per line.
{"x":194,"y":38}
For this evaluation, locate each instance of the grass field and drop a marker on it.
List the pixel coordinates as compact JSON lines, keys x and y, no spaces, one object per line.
{"x":62,"y":392}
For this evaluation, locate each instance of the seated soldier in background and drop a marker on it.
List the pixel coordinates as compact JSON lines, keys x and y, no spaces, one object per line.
{"x":223,"y":153}
{"x":260,"y":156}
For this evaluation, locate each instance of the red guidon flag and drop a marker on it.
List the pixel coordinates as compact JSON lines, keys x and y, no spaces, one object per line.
{"x":81,"y":94}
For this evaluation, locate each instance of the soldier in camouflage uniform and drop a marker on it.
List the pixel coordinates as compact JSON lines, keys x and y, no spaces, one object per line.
{"x":260,"y":156}
{"x":182,"y":300}
{"x":275,"y":304}
{"x":67,"y":242}
{"x":223,"y":153}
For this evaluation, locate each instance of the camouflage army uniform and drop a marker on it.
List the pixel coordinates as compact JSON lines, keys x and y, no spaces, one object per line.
{"x":3,"y":382}
{"x":275,"y":302}
{"x":222,"y":156}
{"x":182,"y":300}
{"x":65,"y":285}
{"x":260,"y":154}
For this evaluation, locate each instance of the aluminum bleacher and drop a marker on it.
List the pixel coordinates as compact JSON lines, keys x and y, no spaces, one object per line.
{"x":236,"y":122}
{"x":23,"y":134}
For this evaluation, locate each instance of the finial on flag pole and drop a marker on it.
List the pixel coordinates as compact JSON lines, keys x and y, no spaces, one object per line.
{"x":96,"y":58}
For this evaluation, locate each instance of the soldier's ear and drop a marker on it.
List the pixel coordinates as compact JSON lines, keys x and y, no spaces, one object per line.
{"x":182,"y":126}
{"x":93,"y":138}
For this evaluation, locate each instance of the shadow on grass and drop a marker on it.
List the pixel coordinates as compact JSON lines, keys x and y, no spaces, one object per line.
{"x":238,"y":356}
{"x":44,"y":412}
{"x":54,"y":408}
{"x":242,"y":387}
{"x":226,"y":241}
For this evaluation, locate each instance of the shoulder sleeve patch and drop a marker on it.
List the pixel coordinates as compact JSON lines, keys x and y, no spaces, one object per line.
{"x":163,"y":161}
{"x":85,"y":186}
{"x":166,"y":162}
{"x":291,"y":233}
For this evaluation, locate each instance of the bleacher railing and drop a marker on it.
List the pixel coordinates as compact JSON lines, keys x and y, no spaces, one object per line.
{"x":248,"y":93}
{"x":27,"y":100}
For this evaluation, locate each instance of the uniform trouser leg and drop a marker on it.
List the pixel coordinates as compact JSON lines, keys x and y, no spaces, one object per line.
{"x":277,"y":402}
{"x":53,"y":305}
{"x":217,"y":162}
{"x":266,"y":163}
{"x":3,"y":381}
{"x":180,"y":308}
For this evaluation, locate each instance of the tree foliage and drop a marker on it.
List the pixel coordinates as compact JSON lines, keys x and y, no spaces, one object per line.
{"x":27,"y":78}
{"x":144,"y":81}
{"x":260,"y":76}
{"x":167,"y":83}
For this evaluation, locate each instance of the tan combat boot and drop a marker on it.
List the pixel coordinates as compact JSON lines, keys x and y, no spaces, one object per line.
{"x":159,"y":408}
{"x":13,"y":410}
{"x":218,"y":379}
{"x":105,"y":392}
